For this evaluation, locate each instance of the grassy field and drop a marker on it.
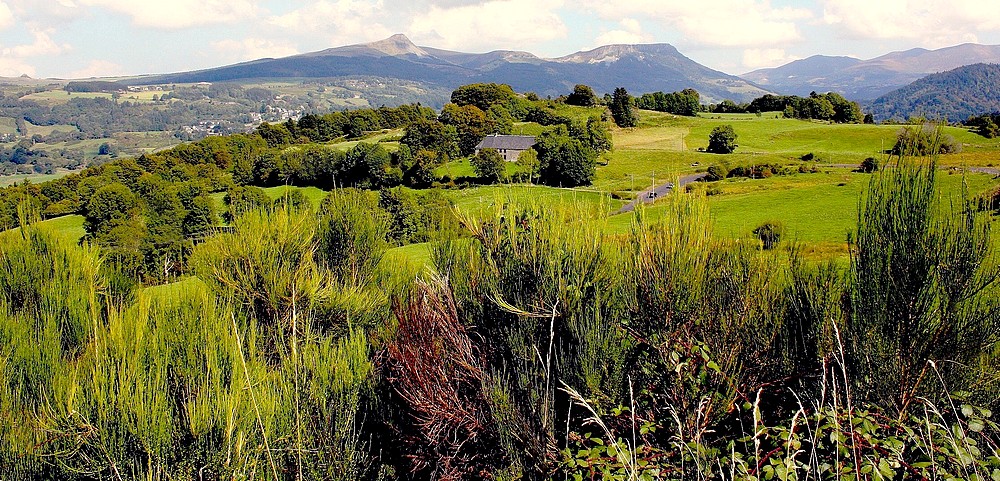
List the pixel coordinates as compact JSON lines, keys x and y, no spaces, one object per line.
{"x":60,"y":96}
{"x":666,"y":146}
{"x":731,"y":117}
{"x":416,"y":255}
{"x":44,"y":130}
{"x":386,"y":138}
{"x":578,"y":114}
{"x":8,"y":125}
{"x":817,"y":210}
{"x":476,"y":200}
{"x":69,"y":226}
{"x":34,"y":178}
{"x":463,"y":168}
{"x":314,"y":195}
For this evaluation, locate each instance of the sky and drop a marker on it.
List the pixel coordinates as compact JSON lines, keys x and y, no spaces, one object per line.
{"x":88,"y":38}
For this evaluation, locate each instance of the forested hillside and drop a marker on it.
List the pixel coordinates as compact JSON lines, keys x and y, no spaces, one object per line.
{"x":954,"y":95}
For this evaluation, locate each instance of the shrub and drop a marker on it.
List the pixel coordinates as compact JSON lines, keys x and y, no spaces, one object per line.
{"x":868,"y":165}
{"x":769,"y":234}
{"x":716,"y":172}
{"x":489,"y":166}
{"x":352,"y":235}
{"x":924,"y":140}
{"x":910,"y":254}
{"x":444,"y":390}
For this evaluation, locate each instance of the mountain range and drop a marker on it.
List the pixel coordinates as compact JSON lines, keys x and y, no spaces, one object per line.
{"x":865,"y":80}
{"x":885,"y":83}
{"x":638,"y":68}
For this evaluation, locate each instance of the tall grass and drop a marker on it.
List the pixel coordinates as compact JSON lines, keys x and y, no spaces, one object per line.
{"x":923,"y":287}
{"x":706,"y":315}
{"x":537,"y":285}
{"x":49,"y":311}
{"x":239,"y":376}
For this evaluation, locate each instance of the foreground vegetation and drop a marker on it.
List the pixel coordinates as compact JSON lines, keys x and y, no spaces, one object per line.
{"x":538,"y":347}
{"x":356,"y":296}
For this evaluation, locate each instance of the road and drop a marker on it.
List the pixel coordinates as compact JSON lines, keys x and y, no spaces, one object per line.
{"x":660,"y":191}
{"x":978,"y":170}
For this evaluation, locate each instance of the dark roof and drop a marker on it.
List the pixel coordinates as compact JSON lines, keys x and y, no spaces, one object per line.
{"x":509,"y":142}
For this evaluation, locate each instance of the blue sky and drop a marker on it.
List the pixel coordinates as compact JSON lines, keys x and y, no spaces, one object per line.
{"x":83,"y":38}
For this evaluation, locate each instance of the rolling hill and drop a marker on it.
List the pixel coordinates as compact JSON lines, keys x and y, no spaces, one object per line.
{"x":638,"y":68}
{"x":864,"y":80}
{"x":954,"y":95}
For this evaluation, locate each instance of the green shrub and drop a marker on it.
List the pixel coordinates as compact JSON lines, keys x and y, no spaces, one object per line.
{"x":716,"y":172}
{"x":489,"y":166}
{"x":920,"y":276}
{"x":924,"y":140}
{"x":868,"y":165}
{"x":769,"y":234}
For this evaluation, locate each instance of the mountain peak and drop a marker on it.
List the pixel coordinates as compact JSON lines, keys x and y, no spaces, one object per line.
{"x":396,"y":45}
{"x":613,"y":53}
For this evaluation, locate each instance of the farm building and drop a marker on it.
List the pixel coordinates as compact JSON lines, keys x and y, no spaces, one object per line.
{"x":509,"y":146}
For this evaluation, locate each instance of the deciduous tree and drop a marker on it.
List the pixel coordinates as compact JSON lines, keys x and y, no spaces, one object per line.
{"x":722,"y":140}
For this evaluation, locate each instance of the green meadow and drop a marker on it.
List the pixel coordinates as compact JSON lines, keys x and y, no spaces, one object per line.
{"x":666,"y":146}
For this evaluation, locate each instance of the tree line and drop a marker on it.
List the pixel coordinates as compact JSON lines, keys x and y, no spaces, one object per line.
{"x":830,"y":106}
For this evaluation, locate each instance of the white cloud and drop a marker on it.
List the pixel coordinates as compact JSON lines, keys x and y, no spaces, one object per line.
{"x":506,"y":24}
{"x":755,"y":58}
{"x":629,"y":33}
{"x":722,"y":23}
{"x":98,"y":68}
{"x":15,"y":67}
{"x":253,"y":49}
{"x":178,"y":14}
{"x":43,"y":45}
{"x":931,"y":23}
{"x":44,"y":13}
{"x":14,"y":60}
{"x":6,"y":16}
{"x":340,"y":21}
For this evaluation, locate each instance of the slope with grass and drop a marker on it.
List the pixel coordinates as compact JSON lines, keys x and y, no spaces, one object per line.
{"x":665,"y":146}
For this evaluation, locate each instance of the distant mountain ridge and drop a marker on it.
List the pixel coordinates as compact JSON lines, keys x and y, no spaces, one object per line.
{"x":638,"y":68}
{"x":954,"y":95}
{"x":865,"y":80}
